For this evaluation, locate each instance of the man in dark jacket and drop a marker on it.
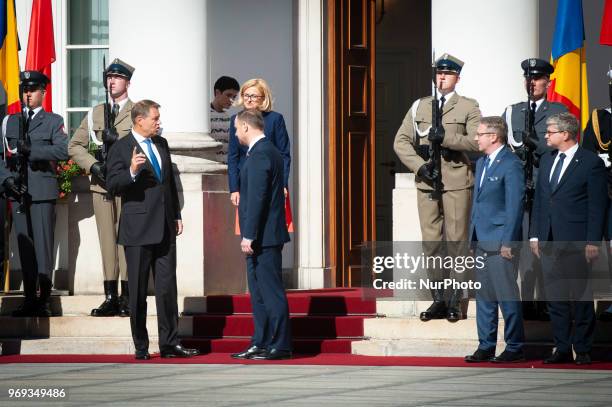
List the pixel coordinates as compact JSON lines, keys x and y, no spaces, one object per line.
{"x":264,"y":232}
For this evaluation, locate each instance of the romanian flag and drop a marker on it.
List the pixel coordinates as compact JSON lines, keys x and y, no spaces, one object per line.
{"x":569,"y":81}
{"x":41,"y":46}
{"x":9,"y":57}
{"x":605,"y":37}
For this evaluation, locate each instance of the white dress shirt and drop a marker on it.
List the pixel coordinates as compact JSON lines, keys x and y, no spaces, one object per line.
{"x":569,"y":156}
{"x":141,"y":142}
{"x":255,"y":140}
{"x":121,"y":103}
{"x":492,"y":157}
{"x":36,"y":110}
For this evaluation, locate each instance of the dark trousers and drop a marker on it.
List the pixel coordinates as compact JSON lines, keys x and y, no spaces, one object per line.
{"x":567,"y":286}
{"x":161,"y":259}
{"x":35,"y":250}
{"x":499,"y":288}
{"x":268,"y":299}
{"x":532,"y":281}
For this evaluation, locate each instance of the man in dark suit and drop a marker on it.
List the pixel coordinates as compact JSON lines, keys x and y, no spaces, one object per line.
{"x":497,"y":213}
{"x":264,"y":232}
{"x":566,"y":231}
{"x":140,"y":171}
{"x":44,"y":143}
{"x":536,"y":73}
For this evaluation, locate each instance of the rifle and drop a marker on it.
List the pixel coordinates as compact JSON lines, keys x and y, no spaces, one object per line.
{"x":529,"y":135}
{"x":109,"y":118}
{"x":610,"y":95}
{"x":436,"y":123}
{"x":22,"y":163}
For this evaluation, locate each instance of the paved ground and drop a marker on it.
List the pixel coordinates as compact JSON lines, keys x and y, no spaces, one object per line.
{"x":248,"y":385}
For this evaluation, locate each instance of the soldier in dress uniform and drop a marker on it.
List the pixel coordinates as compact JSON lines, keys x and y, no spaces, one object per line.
{"x":597,"y":136}
{"x":446,"y":219}
{"x":92,"y":131}
{"x":536,"y":73}
{"x":44,"y":143}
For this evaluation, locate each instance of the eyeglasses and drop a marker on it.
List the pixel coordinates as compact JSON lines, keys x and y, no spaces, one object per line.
{"x":251,"y":97}
{"x":483,"y":134}
{"x":548,"y":133}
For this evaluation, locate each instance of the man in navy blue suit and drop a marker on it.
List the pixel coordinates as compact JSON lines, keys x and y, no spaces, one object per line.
{"x":264,"y":232}
{"x":566,"y":231}
{"x":497,"y":212}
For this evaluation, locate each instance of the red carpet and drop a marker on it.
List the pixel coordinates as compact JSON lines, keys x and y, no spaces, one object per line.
{"x":331,"y":359}
{"x":322,"y":321}
{"x":328,"y":301}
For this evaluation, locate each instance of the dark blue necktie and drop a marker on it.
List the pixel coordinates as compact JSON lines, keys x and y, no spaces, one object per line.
{"x":554,"y":180}
{"x":153,"y":159}
{"x":484,"y":170}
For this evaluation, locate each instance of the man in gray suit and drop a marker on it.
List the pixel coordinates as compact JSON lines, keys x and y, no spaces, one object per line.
{"x":34,"y":215}
{"x":537,"y":80}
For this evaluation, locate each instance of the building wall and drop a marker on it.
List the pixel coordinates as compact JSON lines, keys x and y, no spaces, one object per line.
{"x":255,"y":39}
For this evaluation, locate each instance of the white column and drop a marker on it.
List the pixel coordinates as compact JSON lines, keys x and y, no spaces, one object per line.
{"x":492,"y":37}
{"x":166,"y":42}
{"x":310,"y":148}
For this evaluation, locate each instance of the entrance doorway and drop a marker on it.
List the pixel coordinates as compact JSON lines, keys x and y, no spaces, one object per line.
{"x":378,"y":54}
{"x":403,"y":74}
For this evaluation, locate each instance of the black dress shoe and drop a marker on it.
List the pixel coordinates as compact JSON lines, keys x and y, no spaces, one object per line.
{"x":273,"y":354}
{"x":44,"y":310}
{"x":249,"y":353}
{"x":559,"y":357}
{"x":178,"y":351}
{"x":29,"y":308}
{"x":582,"y":359}
{"x":123,"y":307}
{"x":480,"y":355}
{"x":123,"y":304}
{"x":110,"y":306}
{"x":508,"y":356}
{"x":437,"y":310}
{"x":605,"y":316}
{"x":142,"y":354}
{"x":454,"y":314}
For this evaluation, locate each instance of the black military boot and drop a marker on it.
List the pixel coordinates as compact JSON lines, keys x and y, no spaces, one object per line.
{"x":124,"y":300}
{"x":437,"y":310}
{"x":454,"y":306}
{"x":110,"y":306}
{"x":44,"y":307}
{"x":29,"y":307}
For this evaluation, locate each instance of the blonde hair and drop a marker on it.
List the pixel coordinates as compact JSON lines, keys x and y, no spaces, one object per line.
{"x":262,"y":86}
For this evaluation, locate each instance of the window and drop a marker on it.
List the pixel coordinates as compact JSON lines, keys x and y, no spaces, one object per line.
{"x":87,"y":45}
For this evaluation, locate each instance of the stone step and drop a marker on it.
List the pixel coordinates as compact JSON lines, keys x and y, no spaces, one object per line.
{"x":405,"y":308}
{"x":395,"y":328}
{"x":457,"y":348}
{"x":83,"y":304}
{"x":73,"y":346}
{"x":80,"y":326}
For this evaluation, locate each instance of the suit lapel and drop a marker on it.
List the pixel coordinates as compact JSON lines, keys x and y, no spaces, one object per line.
{"x":492,"y":168}
{"x":570,"y":168}
{"x":541,"y":112}
{"x":479,"y":169}
{"x":124,"y":113}
{"x":140,"y":148}
{"x":161,"y":149}
{"x":37,"y":120}
{"x":450,"y":104}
